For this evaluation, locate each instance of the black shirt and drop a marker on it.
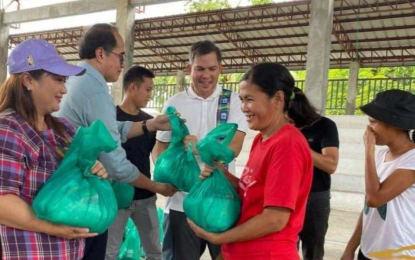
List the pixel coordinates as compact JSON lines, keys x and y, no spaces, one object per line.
{"x":138,"y":149}
{"x":321,"y":134}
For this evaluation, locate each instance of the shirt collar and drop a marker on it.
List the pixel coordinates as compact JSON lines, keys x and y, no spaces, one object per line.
{"x":90,"y":70}
{"x":216,"y":93}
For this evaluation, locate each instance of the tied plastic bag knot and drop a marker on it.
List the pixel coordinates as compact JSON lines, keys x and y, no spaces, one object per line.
{"x":178,"y":127}
{"x":176,"y":165}
{"x":213,"y":203}
{"x":215,"y":145}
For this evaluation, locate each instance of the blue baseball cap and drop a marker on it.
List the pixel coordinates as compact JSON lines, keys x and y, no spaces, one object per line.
{"x":36,"y":54}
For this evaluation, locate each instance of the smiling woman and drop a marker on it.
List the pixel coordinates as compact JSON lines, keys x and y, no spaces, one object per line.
{"x":277,"y":177}
{"x":32,"y":144}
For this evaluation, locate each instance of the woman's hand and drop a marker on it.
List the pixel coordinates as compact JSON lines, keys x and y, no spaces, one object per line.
{"x":68,"y":232}
{"x":369,"y":139}
{"x":99,"y":170}
{"x":200,"y":232}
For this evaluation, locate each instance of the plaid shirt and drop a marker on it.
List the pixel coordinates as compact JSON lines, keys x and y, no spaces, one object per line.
{"x":27,"y":160}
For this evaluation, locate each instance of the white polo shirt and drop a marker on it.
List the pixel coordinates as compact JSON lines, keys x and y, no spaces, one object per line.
{"x":201,"y":117}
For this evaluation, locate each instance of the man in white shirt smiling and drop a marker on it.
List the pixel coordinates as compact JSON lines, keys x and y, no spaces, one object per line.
{"x":200,"y":106}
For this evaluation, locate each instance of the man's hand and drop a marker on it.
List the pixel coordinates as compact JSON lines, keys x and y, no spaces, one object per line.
{"x":165,"y":189}
{"x":160,"y":122}
{"x":191,"y":139}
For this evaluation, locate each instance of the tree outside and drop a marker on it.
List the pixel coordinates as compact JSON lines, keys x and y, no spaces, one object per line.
{"x":206,"y":5}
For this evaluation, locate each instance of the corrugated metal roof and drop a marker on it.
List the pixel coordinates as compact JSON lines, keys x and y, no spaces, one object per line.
{"x":378,"y":32}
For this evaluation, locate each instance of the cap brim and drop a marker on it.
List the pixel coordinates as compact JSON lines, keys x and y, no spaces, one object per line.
{"x":66,"y":70}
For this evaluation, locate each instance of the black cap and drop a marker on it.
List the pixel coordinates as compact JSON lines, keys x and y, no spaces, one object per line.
{"x":394,"y":107}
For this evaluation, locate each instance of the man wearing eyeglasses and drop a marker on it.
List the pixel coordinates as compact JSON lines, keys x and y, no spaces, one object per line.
{"x":102,"y":52}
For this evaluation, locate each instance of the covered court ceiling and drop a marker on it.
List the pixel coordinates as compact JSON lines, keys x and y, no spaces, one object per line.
{"x":376,"y":32}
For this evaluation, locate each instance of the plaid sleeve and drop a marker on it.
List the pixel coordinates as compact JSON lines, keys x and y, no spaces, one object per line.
{"x":11,"y":161}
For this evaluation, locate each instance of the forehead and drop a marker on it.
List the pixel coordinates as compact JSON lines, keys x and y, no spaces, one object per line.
{"x":248,"y":88}
{"x":147,"y":82}
{"x":120,"y":41}
{"x":210,"y":59}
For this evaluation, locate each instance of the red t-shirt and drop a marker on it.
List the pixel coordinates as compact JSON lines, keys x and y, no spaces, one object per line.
{"x":278,"y":174}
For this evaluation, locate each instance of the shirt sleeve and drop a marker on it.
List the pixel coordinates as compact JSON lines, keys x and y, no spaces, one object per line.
{"x":331,"y":136}
{"x":284,"y":175}
{"x":408,"y":161}
{"x":236,"y":115}
{"x":124,"y":128}
{"x":11,"y":161}
{"x":101,"y":107}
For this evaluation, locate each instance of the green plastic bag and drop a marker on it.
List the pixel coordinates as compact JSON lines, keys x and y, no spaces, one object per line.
{"x":213,"y":203}
{"x":131,"y":246}
{"x":124,"y":194}
{"x":175,"y":165}
{"x":73,"y":196}
{"x":160,"y":214}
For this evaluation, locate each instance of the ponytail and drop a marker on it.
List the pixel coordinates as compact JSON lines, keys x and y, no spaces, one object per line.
{"x":301,"y":111}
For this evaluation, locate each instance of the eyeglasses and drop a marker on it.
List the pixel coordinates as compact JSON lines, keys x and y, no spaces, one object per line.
{"x":120,"y":56}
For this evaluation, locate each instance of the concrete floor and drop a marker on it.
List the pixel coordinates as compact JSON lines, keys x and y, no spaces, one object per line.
{"x":341,"y":226}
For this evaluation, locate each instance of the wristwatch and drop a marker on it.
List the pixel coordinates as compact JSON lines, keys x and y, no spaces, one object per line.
{"x":145,"y":129}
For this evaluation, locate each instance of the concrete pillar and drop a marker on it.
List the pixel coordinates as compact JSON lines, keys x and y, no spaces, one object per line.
{"x":4,"y":47}
{"x":125,"y":24}
{"x":352,"y":89}
{"x":180,"y":81}
{"x":318,"y":52}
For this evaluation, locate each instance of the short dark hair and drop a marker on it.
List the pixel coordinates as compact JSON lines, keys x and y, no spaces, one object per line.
{"x":201,"y":48}
{"x":270,"y":78}
{"x":301,"y":111}
{"x":99,"y":35}
{"x":136,"y":74}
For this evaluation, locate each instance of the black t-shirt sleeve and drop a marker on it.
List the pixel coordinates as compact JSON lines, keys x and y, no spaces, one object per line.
{"x":330,"y":137}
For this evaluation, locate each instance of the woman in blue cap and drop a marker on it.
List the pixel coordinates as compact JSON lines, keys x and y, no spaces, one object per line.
{"x":386,"y":227}
{"x":32,"y":143}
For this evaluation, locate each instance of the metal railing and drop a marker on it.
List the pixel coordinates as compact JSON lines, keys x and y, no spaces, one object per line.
{"x":336,"y":92}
